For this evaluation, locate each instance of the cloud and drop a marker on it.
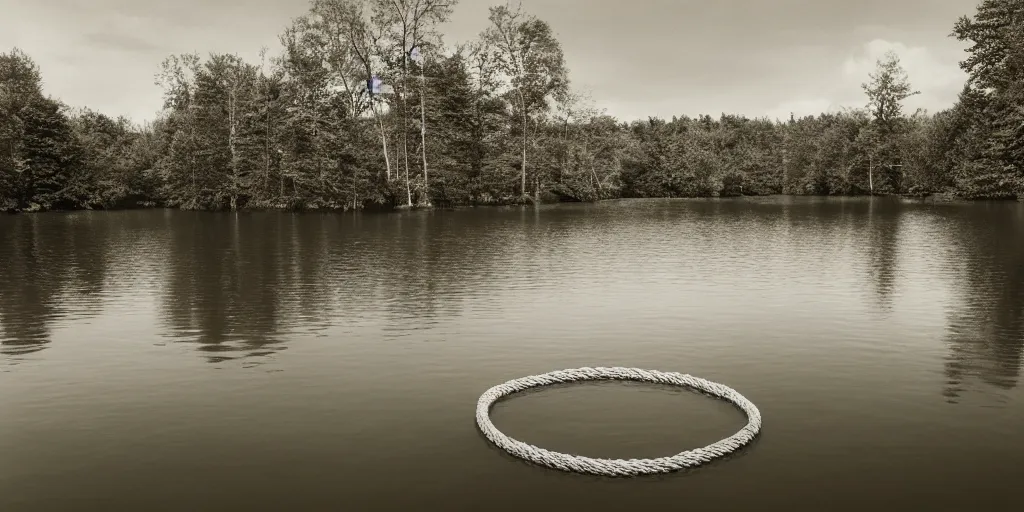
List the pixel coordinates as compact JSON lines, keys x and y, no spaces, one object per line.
{"x":119,"y":42}
{"x":936,"y":74}
{"x":921,"y":64}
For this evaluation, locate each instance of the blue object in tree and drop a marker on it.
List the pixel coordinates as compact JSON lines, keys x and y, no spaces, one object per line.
{"x":373,"y":85}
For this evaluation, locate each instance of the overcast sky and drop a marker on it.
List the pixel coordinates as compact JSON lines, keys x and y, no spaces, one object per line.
{"x":637,"y":58}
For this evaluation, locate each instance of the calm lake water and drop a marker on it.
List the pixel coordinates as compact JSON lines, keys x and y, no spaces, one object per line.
{"x":165,"y":360}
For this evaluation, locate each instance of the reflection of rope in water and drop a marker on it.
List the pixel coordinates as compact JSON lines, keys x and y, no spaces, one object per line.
{"x":618,"y":467}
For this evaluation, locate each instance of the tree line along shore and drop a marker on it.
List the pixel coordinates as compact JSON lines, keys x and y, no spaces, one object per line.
{"x":365,"y":106}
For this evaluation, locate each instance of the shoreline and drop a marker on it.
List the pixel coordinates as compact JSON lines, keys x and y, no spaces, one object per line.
{"x":935,"y":198}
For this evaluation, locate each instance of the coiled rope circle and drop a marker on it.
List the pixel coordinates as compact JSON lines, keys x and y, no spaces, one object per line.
{"x":617,"y":467}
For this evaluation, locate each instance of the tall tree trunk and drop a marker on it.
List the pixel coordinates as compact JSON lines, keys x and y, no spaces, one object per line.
{"x":525,"y":140}
{"x":192,"y":157}
{"x":591,"y":159}
{"x":871,"y":179}
{"x":423,"y":134}
{"x":785,"y":168}
{"x":405,"y":124}
{"x":266,"y":150}
{"x":232,"y":101}
{"x":565,"y":151}
{"x":383,"y":139}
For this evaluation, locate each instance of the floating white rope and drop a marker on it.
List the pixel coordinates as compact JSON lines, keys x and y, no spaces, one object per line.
{"x":617,"y":467}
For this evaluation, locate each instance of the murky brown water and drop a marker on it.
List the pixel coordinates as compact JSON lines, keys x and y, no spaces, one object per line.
{"x":164,"y":360}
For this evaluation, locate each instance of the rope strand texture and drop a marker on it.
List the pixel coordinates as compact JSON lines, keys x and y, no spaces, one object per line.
{"x":617,"y":467}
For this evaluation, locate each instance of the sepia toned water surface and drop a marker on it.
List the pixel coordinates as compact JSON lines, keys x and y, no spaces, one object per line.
{"x":166,"y":360}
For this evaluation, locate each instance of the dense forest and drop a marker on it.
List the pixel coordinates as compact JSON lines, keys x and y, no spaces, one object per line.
{"x":365,"y":106}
